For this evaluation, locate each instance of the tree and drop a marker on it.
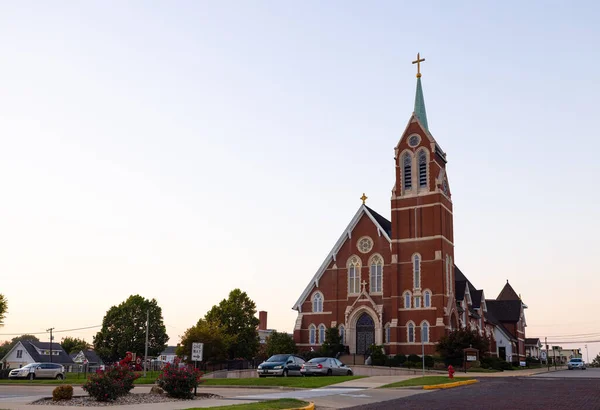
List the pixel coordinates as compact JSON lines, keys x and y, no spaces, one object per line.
{"x":451,"y":345}
{"x":3,"y":309}
{"x":212,"y":334}
{"x":124,"y":330}
{"x":333,"y":342}
{"x":236,"y":314}
{"x":280,"y":343}
{"x":74,"y":345}
{"x":596,"y":361}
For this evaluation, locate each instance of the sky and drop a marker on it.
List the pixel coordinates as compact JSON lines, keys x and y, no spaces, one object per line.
{"x":178,"y":150}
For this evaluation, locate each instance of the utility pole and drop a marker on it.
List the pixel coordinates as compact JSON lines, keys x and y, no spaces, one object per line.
{"x":50,"y":330}
{"x":588,"y":355}
{"x":547,"y":354}
{"x":146,"y":350}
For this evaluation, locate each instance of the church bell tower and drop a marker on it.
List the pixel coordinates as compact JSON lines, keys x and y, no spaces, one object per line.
{"x":422,"y":231}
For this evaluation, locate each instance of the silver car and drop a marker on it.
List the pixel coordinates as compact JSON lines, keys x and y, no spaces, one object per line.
{"x":38,"y":371}
{"x":576,"y":363}
{"x":325,"y":366}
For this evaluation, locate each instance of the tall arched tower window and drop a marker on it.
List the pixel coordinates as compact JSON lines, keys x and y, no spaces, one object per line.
{"x":407,"y":171}
{"x":312,"y":334}
{"x":422,"y":160}
{"x":417,"y":271}
{"x":342,"y":334}
{"x":410,"y":332}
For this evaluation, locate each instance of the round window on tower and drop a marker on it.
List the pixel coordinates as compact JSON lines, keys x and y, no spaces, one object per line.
{"x":414,"y":140}
{"x":365,"y":244}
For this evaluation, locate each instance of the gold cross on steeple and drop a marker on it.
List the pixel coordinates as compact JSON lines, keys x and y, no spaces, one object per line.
{"x":364,"y":198}
{"x":418,"y":62}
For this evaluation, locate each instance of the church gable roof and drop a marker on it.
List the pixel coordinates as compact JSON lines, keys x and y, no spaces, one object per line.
{"x":508,"y":293}
{"x":383,"y":226}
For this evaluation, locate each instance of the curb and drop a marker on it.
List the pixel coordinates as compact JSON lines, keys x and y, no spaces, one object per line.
{"x":449,"y":385}
{"x":311,"y":406}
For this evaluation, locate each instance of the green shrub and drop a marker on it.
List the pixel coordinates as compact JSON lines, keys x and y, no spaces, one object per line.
{"x":64,"y":392}
{"x":400,"y":359}
{"x":378,"y":357}
{"x":429,"y":362}
{"x":411,"y":364}
{"x":179,"y":382}
{"x":413,"y":358}
{"x":111,"y":383}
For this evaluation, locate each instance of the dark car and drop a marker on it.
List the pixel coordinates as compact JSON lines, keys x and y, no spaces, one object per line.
{"x":281,"y":365}
{"x":325,"y":366}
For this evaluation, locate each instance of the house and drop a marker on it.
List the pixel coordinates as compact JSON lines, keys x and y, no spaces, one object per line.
{"x":562,"y":356}
{"x":168,"y":355}
{"x":393,"y":282}
{"x":509,"y":311}
{"x":88,"y":357}
{"x":25,"y":352}
{"x":533,"y":347}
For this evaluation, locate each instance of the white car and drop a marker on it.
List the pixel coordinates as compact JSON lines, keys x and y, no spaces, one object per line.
{"x":576,"y":363}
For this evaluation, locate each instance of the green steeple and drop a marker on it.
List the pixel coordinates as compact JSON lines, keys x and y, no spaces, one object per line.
{"x":420,"y":104}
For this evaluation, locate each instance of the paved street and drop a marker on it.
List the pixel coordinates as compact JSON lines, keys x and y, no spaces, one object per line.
{"x":534,"y":393}
{"x":572,"y":374}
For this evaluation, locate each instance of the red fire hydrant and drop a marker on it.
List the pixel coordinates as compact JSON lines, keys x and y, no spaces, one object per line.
{"x":450,"y":372}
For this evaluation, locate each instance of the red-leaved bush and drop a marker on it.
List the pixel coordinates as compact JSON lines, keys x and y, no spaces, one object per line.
{"x":179,"y":381}
{"x":111,"y":383}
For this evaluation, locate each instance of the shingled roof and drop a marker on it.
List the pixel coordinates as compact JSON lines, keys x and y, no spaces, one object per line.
{"x":62,"y":356}
{"x":385,"y":224}
{"x":508,"y":293}
{"x":504,"y":310}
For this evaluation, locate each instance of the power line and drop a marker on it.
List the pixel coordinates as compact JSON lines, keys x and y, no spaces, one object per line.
{"x":54,"y":331}
{"x":557,"y":342}
{"x":577,"y":335}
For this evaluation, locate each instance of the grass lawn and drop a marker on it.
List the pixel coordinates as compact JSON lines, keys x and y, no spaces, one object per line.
{"x":301,"y":382}
{"x":263,"y":405}
{"x":77,"y":379}
{"x":427,"y":381}
{"x":480,"y":370}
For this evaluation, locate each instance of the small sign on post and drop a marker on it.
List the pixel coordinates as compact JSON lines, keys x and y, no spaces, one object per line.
{"x":197,"y":350}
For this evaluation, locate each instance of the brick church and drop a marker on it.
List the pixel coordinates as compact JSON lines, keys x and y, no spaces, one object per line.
{"x":394,"y":282}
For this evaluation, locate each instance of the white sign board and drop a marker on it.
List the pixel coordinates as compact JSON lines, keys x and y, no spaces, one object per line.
{"x":544,"y":355}
{"x":471,"y":358}
{"x":197,"y":349}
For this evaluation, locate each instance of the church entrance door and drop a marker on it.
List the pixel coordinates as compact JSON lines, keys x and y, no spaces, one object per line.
{"x":365,"y":333}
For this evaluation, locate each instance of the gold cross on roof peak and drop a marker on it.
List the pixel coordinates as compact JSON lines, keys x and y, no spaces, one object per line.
{"x":364,"y":198}
{"x":418,"y":62}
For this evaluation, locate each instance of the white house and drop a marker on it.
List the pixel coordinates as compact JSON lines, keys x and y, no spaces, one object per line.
{"x":505,"y":343}
{"x":168,"y":355}
{"x":25,"y":352}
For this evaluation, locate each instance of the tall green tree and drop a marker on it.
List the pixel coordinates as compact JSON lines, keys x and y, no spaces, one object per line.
{"x":280,"y":343}
{"x":212,"y":334}
{"x":124,"y":330}
{"x":74,"y":344}
{"x":3,"y":309}
{"x":451,"y":345}
{"x":237,"y":315}
{"x":333,"y":342}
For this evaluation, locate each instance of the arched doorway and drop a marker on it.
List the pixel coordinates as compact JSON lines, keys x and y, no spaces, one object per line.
{"x":365,"y":333}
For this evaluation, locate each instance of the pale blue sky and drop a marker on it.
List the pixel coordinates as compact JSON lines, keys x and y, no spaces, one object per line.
{"x":163,"y":147}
